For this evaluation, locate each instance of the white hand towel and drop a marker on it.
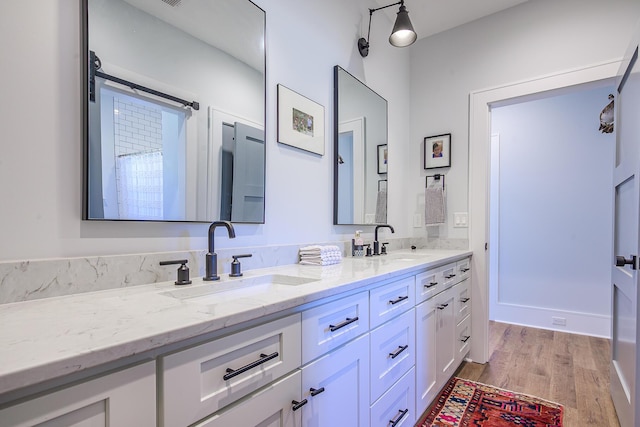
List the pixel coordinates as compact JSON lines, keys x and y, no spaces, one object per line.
{"x":381,"y":207}
{"x":434,"y":205}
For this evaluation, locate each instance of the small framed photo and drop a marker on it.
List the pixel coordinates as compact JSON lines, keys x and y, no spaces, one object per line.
{"x":382,"y":158}
{"x":437,"y":151}
{"x":300,"y":121}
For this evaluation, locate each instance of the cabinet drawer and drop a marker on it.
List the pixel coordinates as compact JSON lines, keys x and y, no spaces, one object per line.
{"x":389,"y":300}
{"x":397,"y":407}
{"x":463,"y":300}
{"x":463,"y":336}
{"x":202,"y":380}
{"x":428,"y":284}
{"x":123,"y":398}
{"x":463,"y":268}
{"x":449,"y":275}
{"x":331,"y":325}
{"x":272,"y":405}
{"x":392,"y":352}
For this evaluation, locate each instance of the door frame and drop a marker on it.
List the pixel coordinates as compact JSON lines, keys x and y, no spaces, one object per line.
{"x":480,"y":103}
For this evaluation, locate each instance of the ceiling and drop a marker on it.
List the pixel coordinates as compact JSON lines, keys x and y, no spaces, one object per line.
{"x":433,"y":16}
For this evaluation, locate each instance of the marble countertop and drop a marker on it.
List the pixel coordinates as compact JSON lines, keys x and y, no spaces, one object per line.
{"x":45,"y":339}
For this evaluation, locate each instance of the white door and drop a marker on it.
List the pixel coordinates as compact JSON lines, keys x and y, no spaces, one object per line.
{"x":624,"y":277}
{"x":247,"y":201}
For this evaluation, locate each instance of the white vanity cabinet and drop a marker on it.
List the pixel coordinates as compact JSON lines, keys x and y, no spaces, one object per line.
{"x":443,"y":327}
{"x":122,"y":398}
{"x":204,"y":379}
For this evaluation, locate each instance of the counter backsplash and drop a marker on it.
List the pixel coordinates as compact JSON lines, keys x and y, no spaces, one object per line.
{"x":35,"y":279}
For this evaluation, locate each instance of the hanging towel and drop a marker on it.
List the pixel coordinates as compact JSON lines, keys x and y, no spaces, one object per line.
{"x":434,"y":204}
{"x":381,"y":207}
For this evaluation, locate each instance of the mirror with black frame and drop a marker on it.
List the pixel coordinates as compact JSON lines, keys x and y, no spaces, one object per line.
{"x":174,"y":110}
{"x":360,"y":147}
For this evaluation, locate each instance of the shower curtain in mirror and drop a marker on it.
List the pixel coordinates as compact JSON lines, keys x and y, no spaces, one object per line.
{"x":139,"y":185}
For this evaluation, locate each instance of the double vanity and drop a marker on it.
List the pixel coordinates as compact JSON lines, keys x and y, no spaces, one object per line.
{"x":367,"y":342}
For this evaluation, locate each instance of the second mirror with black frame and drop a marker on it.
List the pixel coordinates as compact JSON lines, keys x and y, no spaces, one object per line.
{"x":174,"y":110}
{"x":360,"y":148}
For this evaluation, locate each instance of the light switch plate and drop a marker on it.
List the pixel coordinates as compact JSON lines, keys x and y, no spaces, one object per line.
{"x":461,"y":220}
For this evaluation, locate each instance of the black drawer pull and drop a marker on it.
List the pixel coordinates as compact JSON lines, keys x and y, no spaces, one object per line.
{"x":297,"y":405}
{"x":401,"y":413}
{"x":400,"y":299}
{"x":464,"y":300}
{"x":348,"y":321}
{"x":315,"y":392}
{"x":464,"y":270}
{"x":466,"y":338}
{"x":400,"y":349}
{"x":431,"y":284}
{"x":450,"y":276}
{"x":263,"y":358}
{"x":442,"y":306}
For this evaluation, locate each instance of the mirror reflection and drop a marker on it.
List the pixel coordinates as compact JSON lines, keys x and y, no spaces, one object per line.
{"x":175,"y":110}
{"x":360,"y":147}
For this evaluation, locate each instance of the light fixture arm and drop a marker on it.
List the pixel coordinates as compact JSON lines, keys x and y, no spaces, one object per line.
{"x":401,"y":2}
{"x":402,"y":35}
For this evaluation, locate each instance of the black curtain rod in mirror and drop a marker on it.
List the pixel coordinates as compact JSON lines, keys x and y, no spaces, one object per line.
{"x":95,"y":65}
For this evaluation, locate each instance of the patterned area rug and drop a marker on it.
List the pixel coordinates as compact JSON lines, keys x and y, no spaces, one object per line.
{"x":464,"y":403}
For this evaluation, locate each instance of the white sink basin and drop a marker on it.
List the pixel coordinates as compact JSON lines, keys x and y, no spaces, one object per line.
{"x":217,"y":291}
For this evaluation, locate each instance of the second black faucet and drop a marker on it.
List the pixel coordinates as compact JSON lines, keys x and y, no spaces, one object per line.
{"x":211,"y":259}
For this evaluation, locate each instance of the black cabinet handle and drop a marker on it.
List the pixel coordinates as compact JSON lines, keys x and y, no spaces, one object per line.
{"x":622,"y":261}
{"x":466,"y":338}
{"x":400,"y":416}
{"x":348,"y":321}
{"x":431,"y":284}
{"x":464,"y":300}
{"x":442,"y":306}
{"x":450,"y":276}
{"x":464,"y":270}
{"x":398,"y":300}
{"x":263,"y":358}
{"x":297,"y":405}
{"x":400,"y":349}
{"x":315,"y":392}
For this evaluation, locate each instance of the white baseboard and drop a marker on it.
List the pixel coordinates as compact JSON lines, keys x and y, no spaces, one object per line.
{"x":539,"y":317}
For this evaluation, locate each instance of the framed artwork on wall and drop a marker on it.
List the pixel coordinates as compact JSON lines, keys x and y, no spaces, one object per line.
{"x":300,"y":121}
{"x":382,"y":158}
{"x":437,"y":151}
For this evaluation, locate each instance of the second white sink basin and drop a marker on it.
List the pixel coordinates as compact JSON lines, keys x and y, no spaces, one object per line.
{"x":212,"y":292}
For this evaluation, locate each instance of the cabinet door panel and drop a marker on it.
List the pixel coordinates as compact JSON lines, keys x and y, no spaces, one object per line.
{"x":390,"y":300}
{"x":446,"y":329}
{"x":328,"y":326}
{"x":269,"y":407}
{"x":426,"y":342}
{"x":196,"y":381}
{"x":340,"y":383}
{"x":123,"y":398}
{"x":392,"y":352}
{"x":397,"y":405}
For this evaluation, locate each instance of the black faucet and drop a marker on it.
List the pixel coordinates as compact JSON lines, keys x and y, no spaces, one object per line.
{"x":376,"y":244}
{"x":211,"y":259}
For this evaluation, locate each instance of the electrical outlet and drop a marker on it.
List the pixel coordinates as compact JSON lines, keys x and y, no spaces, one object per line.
{"x":460,"y":219}
{"x":560,"y":321}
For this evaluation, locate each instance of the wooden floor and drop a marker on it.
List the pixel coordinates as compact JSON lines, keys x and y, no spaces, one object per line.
{"x":569,"y":369}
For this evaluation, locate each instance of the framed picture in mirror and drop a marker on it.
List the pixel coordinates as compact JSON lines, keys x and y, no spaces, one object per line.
{"x":437,"y":151}
{"x":382,"y":158}
{"x":300,"y":121}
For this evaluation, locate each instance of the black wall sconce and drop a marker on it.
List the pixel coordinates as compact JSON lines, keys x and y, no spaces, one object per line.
{"x":402,"y":35}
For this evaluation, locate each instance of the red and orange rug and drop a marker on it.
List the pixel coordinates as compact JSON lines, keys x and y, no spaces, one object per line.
{"x":464,"y":403}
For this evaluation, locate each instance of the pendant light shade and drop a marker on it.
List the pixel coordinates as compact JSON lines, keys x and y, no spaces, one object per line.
{"x":402,"y":35}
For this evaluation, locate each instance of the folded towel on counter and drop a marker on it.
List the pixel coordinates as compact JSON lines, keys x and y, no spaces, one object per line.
{"x":320,"y":255}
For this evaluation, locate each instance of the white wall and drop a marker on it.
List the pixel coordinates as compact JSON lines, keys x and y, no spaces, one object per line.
{"x":534,"y":39}
{"x":40,"y":119}
{"x":552,"y":173}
